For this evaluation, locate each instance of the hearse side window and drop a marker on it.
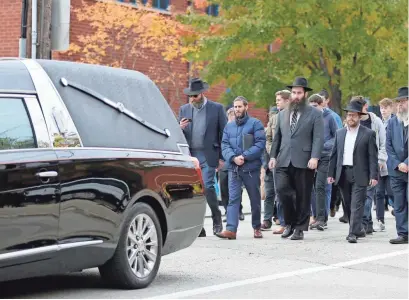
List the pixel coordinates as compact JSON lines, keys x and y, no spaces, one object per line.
{"x":16,"y":130}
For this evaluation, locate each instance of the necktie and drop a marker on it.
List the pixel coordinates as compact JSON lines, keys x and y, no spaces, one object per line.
{"x":293,"y":120}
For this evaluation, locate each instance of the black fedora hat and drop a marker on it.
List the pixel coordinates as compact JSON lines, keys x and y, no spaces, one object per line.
{"x":300,"y":82}
{"x":196,"y":87}
{"x":402,"y":93}
{"x":355,"y":106}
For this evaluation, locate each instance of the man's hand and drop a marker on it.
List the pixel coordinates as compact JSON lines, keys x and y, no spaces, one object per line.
{"x":330,"y":180}
{"x":221,"y":164}
{"x":313,"y":163}
{"x":403,"y":168}
{"x":373,"y":182}
{"x":381,"y":167}
{"x":183,"y":123}
{"x":272,"y":163}
{"x":239,"y":160}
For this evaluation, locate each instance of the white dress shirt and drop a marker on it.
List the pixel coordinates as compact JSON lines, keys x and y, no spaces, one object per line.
{"x":349,"y":146}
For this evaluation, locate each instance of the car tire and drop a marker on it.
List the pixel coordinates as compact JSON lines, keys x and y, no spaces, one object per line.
{"x":119,"y":270}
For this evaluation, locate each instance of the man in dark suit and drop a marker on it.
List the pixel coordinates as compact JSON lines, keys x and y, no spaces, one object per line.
{"x":202,"y":122}
{"x":397,"y":149}
{"x":353,"y":167}
{"x":295,"y":152}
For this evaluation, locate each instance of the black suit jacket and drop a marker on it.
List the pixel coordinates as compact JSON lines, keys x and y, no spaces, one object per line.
{"x":365,"y":156}
{"x":216,"y":119}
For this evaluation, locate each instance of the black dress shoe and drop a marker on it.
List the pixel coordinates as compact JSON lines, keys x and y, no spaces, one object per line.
{"x":288,"y":231}
{"x":343,"y":219}
{"x":352,"y":239}
{"x":298,"y":235}
{"x":361,"y":234}
{"x":241,"y":216}
{"x":399,"y":240}
{"x":202,"y":233}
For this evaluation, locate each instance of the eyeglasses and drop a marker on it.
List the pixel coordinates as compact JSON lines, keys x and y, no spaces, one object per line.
{"x":194,"y":96}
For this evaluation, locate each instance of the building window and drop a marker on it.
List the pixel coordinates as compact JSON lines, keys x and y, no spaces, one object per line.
{"x":160,"y":4}
{"x":213,"y":10}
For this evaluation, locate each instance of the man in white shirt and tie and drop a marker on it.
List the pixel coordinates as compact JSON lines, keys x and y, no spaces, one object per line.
{"x":353,"y":167}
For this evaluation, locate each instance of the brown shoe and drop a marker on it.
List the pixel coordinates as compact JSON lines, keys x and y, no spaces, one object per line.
{"x":230,"y":235}
{"x":257,"y":234}
{"x":279,"y":230}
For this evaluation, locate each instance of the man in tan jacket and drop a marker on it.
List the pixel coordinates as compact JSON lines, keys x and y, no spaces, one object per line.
{"x":282,"y":100}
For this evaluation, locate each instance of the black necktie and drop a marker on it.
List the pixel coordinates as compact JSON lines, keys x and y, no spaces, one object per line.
{"x":293,"y":120}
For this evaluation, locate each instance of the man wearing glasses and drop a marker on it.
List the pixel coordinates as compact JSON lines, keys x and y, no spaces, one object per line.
{"x":202,"y":122}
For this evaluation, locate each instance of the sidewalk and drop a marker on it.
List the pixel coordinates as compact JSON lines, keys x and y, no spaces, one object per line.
{"x":246,"y":206}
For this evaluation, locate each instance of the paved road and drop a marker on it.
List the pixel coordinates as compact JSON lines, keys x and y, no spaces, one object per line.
{"x":324,"y":265}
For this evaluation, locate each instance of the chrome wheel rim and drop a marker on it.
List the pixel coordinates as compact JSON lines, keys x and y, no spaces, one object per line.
{"x":142,"y":245}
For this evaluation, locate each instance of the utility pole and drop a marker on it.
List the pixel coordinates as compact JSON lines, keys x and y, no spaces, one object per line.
{"x":44,"y":38}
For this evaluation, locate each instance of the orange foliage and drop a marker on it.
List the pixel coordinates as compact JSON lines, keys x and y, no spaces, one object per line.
{"x":125,"y":34}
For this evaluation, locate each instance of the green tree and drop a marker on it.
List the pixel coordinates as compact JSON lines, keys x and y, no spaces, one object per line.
{"x":348,"y":47}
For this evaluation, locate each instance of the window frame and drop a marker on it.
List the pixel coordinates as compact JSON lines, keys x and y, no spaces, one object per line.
{"x":36,"y":119}
{"x":158,"y":8}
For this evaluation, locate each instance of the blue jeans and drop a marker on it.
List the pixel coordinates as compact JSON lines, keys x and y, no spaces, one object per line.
{"x":400,"y":205}
{"x":367,"y":218}
{"x":208,"y":174}
{"x":251,"y":181}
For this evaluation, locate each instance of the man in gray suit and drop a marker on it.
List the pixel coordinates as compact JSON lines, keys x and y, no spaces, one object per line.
{"x":295,"y":152}
{"x":202,"y":122}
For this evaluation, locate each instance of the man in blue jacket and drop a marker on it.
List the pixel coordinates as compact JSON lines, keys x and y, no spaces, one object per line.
{"x":397,"y":149}
{"x":243,"y":144}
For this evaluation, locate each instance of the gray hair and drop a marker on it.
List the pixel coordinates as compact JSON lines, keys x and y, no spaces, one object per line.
{"x":242,"y":99}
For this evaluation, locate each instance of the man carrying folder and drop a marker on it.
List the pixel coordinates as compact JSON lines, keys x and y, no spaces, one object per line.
{"x":242,"y":148}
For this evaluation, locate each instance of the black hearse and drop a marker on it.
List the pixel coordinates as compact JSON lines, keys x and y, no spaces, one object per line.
{"x":94,"y":172}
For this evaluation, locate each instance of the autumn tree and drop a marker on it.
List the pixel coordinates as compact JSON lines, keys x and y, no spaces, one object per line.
{"x":124,"y":36}
{"x":348,"y":47}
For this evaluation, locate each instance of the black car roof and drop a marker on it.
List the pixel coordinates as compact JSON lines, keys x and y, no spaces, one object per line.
{"x":101,"y":125}
{"x":14,"y":76}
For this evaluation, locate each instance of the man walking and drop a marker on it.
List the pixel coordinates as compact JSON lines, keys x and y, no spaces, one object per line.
{"x":282,"y":101}
{"x":353,"y":166}
{"x":203,"y":122}
{"x":371,"y":121}
{"x":295,"y":152}
{"x":397,"y":148}
{"x":322,"y":190}
{"x":243,"y":144}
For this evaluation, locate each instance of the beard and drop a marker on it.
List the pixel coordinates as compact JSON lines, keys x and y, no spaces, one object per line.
{"x":402,"y":117}
{"x":299,"y":105}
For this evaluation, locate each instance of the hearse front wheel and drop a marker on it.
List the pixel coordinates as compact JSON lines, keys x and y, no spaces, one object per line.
{"x":138,"y":254}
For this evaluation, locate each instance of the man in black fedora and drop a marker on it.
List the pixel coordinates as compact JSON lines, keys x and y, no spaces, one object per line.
{"x":397,"y":149}
{"x":353,"y":166}
{"x":296,"y":149}
{"x":202,"y":122}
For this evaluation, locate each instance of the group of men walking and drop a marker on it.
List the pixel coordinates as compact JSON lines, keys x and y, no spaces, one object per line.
{"x":306,"y":154}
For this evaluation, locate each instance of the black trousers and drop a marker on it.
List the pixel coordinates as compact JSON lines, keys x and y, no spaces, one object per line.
{"x":290,"y":181}
{"x":224,"y":189}
{"x":353,"y":197}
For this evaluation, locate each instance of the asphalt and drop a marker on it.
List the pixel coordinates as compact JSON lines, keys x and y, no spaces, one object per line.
{"x":323,"y":265}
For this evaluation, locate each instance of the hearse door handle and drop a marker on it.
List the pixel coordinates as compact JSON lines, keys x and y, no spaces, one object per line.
{"x":47,"y":174}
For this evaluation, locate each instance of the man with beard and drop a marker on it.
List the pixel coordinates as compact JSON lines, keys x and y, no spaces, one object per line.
{"x":295,"y":152}
{"x":397,"y":149}
{"x":202,"y":122}
{"x":242,"y":147}
{"x":353,"y":166}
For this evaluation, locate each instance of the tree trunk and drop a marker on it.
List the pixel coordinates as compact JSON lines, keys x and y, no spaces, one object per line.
{"x":336,"y":98}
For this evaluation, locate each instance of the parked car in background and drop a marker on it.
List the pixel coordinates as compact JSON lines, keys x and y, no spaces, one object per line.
{"x":94,"y":172}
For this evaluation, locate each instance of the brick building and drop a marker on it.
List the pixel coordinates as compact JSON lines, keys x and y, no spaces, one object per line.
{"x":10,"y":14}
